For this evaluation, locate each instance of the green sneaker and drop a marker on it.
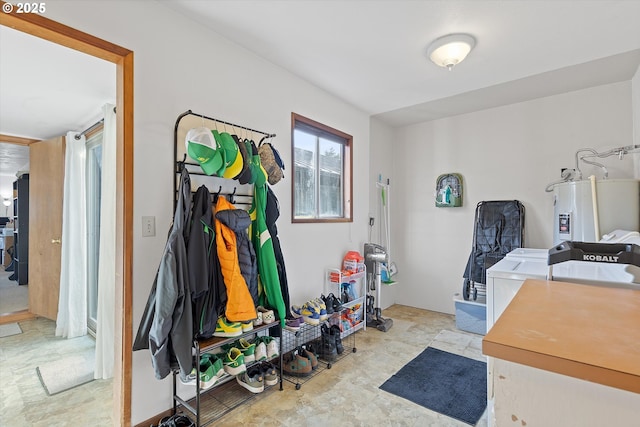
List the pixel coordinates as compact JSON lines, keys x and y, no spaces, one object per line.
{"x":248,"y":350}
{"x":224,"y":328}
{"x":234,"y":362}
{"x":207,"y":377}
{"x":216,"y":362}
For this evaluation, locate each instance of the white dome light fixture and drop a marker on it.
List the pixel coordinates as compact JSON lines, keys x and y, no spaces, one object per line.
{"x":450,"y":50}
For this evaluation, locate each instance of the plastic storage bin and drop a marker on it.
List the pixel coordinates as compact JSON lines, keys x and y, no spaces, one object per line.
{"x":471,"y":316}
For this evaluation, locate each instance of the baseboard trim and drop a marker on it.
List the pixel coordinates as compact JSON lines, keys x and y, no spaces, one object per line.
{"x":16,"y":316}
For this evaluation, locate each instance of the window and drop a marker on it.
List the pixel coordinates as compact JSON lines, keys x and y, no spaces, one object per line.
{"x":94,"y":178}
{"x":322,"y":163}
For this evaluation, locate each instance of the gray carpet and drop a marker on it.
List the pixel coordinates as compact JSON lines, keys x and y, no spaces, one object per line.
{"x":453,"y":385}
{"x":66,"y":373}
{"x":9,"y":329}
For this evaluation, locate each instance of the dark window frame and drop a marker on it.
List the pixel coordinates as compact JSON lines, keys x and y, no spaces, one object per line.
{"x":347,"y":168}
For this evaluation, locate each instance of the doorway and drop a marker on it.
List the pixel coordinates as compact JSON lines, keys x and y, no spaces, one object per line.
{"x":123,"y":58}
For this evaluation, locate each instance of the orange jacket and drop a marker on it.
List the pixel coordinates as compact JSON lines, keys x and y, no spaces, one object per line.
{"x":240,"y":306}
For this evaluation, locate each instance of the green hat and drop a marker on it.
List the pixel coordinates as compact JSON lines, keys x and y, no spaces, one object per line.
{"x":234,"y":161}
{"x":204,"y":149}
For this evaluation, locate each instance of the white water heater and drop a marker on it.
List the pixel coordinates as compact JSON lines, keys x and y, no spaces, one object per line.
{"x":617,"y":202}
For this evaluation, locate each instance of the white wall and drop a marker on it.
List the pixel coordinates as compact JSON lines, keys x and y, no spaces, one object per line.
{"x":509,"y":152}
{"x":381,"y":168}
{"x":180,"y":65}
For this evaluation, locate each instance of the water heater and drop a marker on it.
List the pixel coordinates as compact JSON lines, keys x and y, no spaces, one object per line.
{"x":617,"y":202}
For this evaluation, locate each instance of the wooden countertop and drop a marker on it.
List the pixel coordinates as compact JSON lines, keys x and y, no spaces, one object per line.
{"x":586,"y":332}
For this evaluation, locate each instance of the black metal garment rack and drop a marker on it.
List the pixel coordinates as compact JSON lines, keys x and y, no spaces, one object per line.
{"x":229,"y":395}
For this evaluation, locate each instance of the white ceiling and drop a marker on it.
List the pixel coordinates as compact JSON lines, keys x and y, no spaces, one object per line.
{"x":372,"y":54}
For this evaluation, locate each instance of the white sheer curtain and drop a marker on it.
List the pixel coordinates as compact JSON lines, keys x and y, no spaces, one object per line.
{"x":106,"y":269}
{"x":72,"y":302}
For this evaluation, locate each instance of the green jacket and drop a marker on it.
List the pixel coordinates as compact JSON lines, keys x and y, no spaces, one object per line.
{"x":270,"y":293}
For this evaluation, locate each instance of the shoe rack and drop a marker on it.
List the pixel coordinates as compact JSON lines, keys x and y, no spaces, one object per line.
{"x":311,"y":335}
{"x":225,"y":395}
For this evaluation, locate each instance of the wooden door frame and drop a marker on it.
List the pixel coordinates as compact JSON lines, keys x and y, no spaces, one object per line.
{"x":55,"y":32}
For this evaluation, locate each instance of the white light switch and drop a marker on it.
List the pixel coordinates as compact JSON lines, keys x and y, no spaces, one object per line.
{"x":148,"y":226}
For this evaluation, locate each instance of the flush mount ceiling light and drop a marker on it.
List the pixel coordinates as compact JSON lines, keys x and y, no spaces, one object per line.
{"x":450,"y":50}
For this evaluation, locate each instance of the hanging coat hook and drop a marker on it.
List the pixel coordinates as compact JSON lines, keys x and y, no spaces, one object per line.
{"x":231,"y":198}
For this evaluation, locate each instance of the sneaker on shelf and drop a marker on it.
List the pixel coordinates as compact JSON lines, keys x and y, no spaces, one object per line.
{"x":261,"y":349}
{"x":190,"y":379}
{"x":207,"y":377}
{"x":335,"y":331}
{"x":306,"y":352}
{"x":216,"y":362}
{"x":269,"y":373}
{"x":296,"y":365}
{"x":267,"y":315}
{"x":258,"y":320}
{"x":333,"y":302}
{"x":224,"y":328}
{"x":234,"y":362}
{"x":248,"y":350}
{"x":273,"y":347}
{"x":328,"y":305}
{"x":308,"y":312}
{"x":320,"y":308}
{"x":293,"y":324}
{"x":247,"y":326}
{"x":252,"y":379}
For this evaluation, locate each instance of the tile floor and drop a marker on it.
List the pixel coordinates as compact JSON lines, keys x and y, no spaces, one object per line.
{"x":345,"y":395}
{"x":348,"y":394}
{"x":23,"y":400}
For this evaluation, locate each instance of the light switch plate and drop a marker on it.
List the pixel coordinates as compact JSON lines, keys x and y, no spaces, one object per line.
{"x":148,"y":226}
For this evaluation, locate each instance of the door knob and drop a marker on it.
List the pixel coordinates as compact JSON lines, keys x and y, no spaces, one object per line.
{"x":55,"y":241}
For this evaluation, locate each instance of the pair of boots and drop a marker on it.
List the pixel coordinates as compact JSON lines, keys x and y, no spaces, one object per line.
{"x":331,"y":342}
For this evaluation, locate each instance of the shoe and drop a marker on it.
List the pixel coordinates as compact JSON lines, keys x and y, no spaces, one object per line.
{"x":267,"y":315}
{"x":234,"y":362}
{"x":335,"y":331}
{"x":269,"y":373}
{"x":261,"y":349}
{"x":327,"y":350}
{"x":306,"y":352}
{"x":207,"y":377}
{"x":293,"y":324}
{"x":333,"y":302}
{"x":328,"y":305}
{"x":247,"y":326}
{"x":252,"y":379}
{"x":273,"y":348}
{"x":320,"y":308}
{"x":216,"y":362}
{"x":296,"y":365}
{"x":308,"y":312}
{"x":248,"y":350}
{"x":225,"y":328}
{"x":190,"y":379}
{"x":258,"y":320}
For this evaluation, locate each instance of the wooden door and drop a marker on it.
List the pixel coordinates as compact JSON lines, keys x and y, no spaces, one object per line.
{"x":46,"y":176}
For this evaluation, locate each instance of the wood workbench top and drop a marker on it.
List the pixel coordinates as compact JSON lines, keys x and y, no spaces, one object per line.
{"x":583,"y":331}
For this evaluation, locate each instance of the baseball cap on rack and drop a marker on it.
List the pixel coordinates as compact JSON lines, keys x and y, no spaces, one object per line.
{"x":233,"y":158}
{"x":245,"y":174}
{"x":202,"y":147}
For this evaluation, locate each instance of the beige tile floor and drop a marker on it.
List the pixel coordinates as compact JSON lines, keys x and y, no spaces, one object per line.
{"x":348,"y":395}
{"x":345,"y":395}
{"x":23,"y":400}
